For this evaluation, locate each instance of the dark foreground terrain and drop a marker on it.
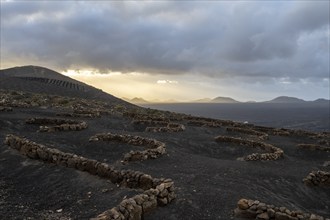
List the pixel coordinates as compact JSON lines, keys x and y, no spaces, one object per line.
{"x":209,"y":179}
{"x":213,"y":163}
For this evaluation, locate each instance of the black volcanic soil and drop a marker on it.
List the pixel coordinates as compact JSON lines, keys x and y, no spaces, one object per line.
{"x":209,"y":180}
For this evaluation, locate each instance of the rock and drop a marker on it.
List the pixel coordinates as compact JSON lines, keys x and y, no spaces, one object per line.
{"x":243,"y":204}
{"x":139,"y":199}
{"x":162,"y":201}
{"x":244,"y":213}
{"x":263,"y":216}
{"x":316,"y":217}
{"x":149,"y":205}
{"x":271,"y":213}
{"x":283,"y":216}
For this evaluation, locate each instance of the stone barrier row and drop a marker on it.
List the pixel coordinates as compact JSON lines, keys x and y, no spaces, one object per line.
{"x":59,"y":124}
{"x":76,"y":115}
{"x":154,"y":148}
{"x":210,"y":122}
{"x":15,"y":104}
{"x":6,"y":109}
{"x":292,"y":132}
{"x":158,"y":192}
{"x":145,"y":117}
{"x":317,"y":178}
{"x":260,"y":135}
{"x":275,"y":152}
{"x":254,"y":209}
{"x":171,"y":127}
{"x":313,"y":147}
{"x":199,"y":123}
{"x":150,"y":122}
{"x":160,"y":126}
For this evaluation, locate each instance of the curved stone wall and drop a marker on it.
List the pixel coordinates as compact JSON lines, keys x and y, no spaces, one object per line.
{"x":159,"y":126}
{"x":259,"y":134}
{"x":275,"y":152}
{"x":254,"y":209}
{"x":154,"y":148}
{"x":314,"y":147}
{"x":158,"y":192}
{"x":317,"y":178}
{"x":59,"y":124}
{"x":6,"y":109}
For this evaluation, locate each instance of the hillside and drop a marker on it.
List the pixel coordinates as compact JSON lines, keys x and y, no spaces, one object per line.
{"x":224,"y":100}
{"x":42,"y":80}
{"x":286,"y":99}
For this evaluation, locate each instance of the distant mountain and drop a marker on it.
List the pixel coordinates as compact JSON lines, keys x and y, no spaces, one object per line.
{"x":286,"y":99}
{"x":38,"y":79}
{"x":224,"y":100}
{"x":322,"y":101}
{"x":280,"y":99}
{"x":137,"y":100}
{"x":205,"y":100}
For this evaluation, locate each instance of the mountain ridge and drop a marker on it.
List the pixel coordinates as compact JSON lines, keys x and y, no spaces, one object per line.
{"x":38,"y":79}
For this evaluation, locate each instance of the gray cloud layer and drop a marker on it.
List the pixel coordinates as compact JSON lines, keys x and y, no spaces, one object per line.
{"x":219,"y":39}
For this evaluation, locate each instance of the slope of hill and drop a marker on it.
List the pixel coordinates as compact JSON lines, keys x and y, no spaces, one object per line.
{"x":138,"y":100}
{"x":286,"y":99}
{"x":321,"y":101}
{"x":224,"y":100}
{"x":42,"y":80}
{"x":204,"y":100}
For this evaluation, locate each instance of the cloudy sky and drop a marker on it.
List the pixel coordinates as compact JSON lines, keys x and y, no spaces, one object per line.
{"x":248,"y":50}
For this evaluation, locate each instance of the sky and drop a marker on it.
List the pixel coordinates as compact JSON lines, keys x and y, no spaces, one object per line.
{"x":165,"y":50}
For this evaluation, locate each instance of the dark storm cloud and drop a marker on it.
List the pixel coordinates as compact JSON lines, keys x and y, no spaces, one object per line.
{"x":257,"y":39}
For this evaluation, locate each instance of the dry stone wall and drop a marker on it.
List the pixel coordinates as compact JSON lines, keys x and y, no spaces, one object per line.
{"x":150,"y":122}
{"x":159,"y":126}
{"x":154,"y":148}
{"x":158,"y":192}
{"x":76,"y":115}
{"x":317,"y":178}
{"x":314,"y":147}
{"x":58,"y":124}
{"x":291,"y":132}
{"x":254,"y":209}
{"x":209,"y":122}
{"x":6,"y":109}
{"x":275,"y":152}
{"x":259,"y":134}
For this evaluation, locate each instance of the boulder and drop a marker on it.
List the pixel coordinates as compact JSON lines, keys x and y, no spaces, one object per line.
{"x":243,"y":204}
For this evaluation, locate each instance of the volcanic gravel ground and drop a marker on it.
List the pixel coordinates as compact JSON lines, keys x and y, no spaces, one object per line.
{"x":209,"y":180}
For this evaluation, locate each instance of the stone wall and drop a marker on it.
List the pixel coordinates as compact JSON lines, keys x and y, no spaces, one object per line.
{"x":154,"y":148}
{"x":260,"y":135}
{"x":150,"y":122}
{"x":160,"y":125}
{"x":158,"y":192}
{"x":275,"y":152}
{"x":254,"y":209}
{"x":317,"y":178}
{"x":273,"y":131}
{"x":209,"y":122}
{"x":171,"y":127}
{"x":76,"y":115}
{"x":292,"y":132}
{"x":59,"y":124}
{"x":6,"y":109}
{"x":314,"y":147}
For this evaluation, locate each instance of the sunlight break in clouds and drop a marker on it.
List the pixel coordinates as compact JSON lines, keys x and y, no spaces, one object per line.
{"x":213,"y":41}
{"x":167,"y":81}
